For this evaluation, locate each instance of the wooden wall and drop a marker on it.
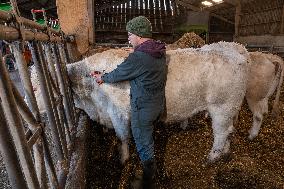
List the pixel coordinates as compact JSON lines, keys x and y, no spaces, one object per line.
{"x":111,"y":17}
{"x":259,"y":17}
{"x":220,"y":30}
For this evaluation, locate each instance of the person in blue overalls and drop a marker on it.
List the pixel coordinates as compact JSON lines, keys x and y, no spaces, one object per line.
{"x":146,"y":70}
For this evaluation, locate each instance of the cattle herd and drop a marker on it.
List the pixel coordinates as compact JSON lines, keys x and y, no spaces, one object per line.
{"x":215,"y":78}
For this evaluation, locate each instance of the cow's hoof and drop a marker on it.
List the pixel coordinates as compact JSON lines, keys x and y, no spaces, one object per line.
{"x":123,"y":160}
{"x":252,"y":136}
{"x":211,"y":161}
{"x":105,"y":130}
{"x":227,"y":157}
{"x":214,"y":156}
{"x":223,"y":158}
{"x":136,"y":183}
{"x":275,"y":113}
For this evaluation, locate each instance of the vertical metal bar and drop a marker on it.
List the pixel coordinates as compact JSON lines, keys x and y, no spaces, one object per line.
{"x":68,"y":61}
{"x":16,"y":128}
{"x":33,"y":123}
{"x":59,"y":104}
{"x":46,"y":99}
{"x":66,"y":80}
{"x":62,"y":115}
{"x":37,"y":148}
{"x":49,"y":163}
{"x":62,"y":87}
{"x":59,"y":122}
{"x":69,"y":86}
{"x":39,"y":164}
{"x":69,"y":96}
{"x":50,"y":62}
{"x":65,"y":107}
{"x":24,"y":109}
{"x":9,"y":154}
{"x":25,"y":78}
{"x":60,"y":112}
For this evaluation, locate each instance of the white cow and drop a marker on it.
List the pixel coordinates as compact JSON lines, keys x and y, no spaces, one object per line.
{"x":265,"y":76}
{"x":211,"y":78}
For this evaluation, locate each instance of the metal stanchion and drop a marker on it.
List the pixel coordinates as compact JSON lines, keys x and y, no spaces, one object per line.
{"x":46,"y":99}
{"x":60,"y":124}
{"x":66,"y":80}
{"x":9,"y":154}
{"x":16,"y":128}
{"x":50,"y":62}
{"x":37,"y":148}
{"x":25,"y":78}
{"x":63,"y":89}
{"x":19,"y":29}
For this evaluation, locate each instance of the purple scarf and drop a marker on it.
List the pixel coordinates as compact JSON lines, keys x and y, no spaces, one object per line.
{"x":156,"y":49}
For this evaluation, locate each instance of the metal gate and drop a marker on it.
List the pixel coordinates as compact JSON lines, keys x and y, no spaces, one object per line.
{"x":25,"y":150}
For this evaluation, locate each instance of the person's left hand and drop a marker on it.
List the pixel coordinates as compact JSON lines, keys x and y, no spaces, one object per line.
{"x":98,"y":76}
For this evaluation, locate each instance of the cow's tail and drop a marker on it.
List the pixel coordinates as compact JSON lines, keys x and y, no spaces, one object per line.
{"x":279,"y":77}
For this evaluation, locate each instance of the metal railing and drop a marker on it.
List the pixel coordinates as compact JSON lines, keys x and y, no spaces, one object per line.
{"x":26,"y":152}
{"x":279,"y":50}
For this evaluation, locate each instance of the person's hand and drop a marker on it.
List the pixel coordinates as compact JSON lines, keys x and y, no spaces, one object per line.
{"x":128,"y":49}
{"x":98,"y":76}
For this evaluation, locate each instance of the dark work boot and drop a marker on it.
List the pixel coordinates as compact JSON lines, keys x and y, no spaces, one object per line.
{"x":149,"y":174}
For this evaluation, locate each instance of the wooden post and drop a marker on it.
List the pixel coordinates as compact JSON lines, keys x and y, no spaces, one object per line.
{"x":91,"y":15}
{"x":237,"y":19}
{"x":282,"y":22}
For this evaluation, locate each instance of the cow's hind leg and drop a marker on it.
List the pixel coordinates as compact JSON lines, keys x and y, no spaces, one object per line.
{"x":124,"y":151}
{"x":258,"y":109}
{"x":222,"y":124}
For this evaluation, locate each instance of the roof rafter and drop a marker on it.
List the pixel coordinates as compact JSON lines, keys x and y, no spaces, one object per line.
{"x":198,"y":9}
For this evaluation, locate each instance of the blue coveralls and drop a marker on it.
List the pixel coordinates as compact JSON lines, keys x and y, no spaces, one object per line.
{"x":147,"y":76}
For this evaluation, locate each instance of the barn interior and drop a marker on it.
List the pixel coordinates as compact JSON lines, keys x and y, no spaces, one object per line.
{"x":96,"y":26}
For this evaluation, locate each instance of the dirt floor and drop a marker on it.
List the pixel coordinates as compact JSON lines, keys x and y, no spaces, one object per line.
{"x":181,"y":156}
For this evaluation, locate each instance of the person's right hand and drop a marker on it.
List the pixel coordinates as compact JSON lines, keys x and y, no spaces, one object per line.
{"x":98,"y":76}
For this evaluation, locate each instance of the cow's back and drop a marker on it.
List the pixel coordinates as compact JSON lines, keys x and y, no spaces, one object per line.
{"x":200,"y":78}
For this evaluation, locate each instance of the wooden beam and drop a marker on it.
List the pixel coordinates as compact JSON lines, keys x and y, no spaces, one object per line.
{"x":231,"y":2}
{"x":188,"y":5}
{"x":282,"y":22}
{"x":222,"y":18}
{"x":221,"y":5}
{"x":197,"y":9}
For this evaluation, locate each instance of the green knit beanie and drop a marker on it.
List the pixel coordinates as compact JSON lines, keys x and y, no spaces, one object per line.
{"x":140,"y":26}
